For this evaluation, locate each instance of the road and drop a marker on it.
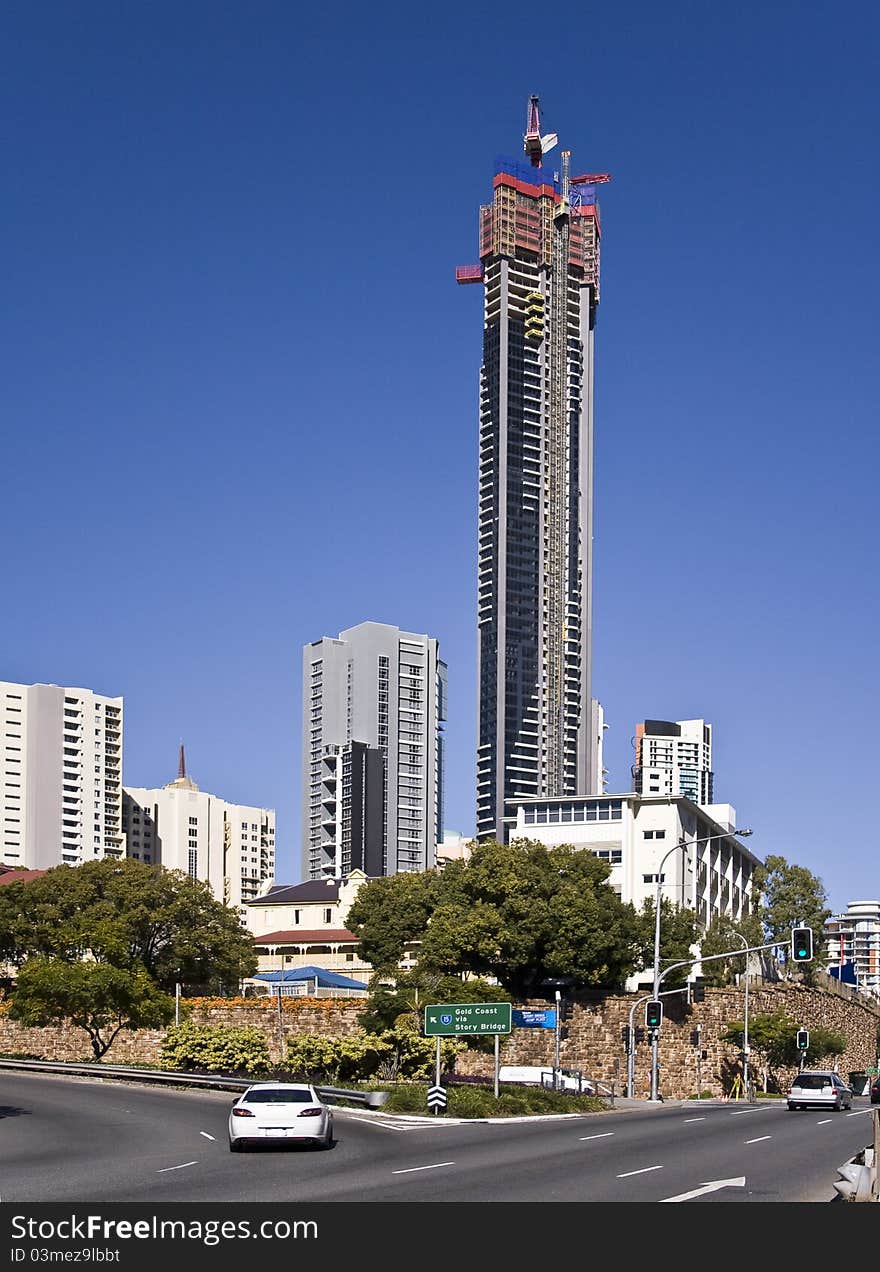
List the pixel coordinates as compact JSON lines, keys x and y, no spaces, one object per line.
{"x":82,"y":1140}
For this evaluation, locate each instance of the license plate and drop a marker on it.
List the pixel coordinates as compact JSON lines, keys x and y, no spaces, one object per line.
{"x":277,"y":1130}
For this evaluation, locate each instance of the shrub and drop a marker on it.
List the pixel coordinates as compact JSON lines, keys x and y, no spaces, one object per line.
{"x":215,"y":1048}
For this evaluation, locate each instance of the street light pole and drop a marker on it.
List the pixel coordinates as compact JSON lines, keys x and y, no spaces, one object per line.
{"x":683,"y":843}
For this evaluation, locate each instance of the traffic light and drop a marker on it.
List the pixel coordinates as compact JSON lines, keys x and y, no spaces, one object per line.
{"x":639,"y":1034}
{"x":565,"y":1008}
{"x":803,"y":1039}
{"x":653,"y":1013}
{"x":695,"y":1037}
{"x":698,"y":990}
{"x":624,"y":1033}
{"x":802,"y":945}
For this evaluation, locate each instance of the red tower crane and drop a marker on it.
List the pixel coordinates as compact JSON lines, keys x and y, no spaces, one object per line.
{"x":534,"y":144}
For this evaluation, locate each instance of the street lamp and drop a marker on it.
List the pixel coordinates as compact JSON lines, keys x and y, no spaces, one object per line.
{"x":685,"y":844}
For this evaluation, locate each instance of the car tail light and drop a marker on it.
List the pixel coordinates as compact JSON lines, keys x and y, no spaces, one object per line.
{"x":242,"y":1113}
{"x":310,"y":1113}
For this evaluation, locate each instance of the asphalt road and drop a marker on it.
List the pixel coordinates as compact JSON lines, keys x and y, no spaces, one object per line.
{"x":64,"y":1139}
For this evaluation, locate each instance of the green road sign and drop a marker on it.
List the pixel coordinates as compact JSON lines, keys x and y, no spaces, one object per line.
{"x":448,"y":1019}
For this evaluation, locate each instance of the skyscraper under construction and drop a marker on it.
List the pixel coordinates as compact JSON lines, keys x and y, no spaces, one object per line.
{"x":539,"y":730}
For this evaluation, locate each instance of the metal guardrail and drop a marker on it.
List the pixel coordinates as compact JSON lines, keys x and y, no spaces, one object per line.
{"x":858,"y":1178}
{"x":162,"y":1077}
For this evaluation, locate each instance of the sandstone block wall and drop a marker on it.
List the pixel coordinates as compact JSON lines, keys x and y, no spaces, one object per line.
{"x":594,"y":1044}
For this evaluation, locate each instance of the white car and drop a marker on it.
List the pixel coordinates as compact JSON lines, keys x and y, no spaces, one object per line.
{"x":821,"y":1087}
{"x":288,"y":1111}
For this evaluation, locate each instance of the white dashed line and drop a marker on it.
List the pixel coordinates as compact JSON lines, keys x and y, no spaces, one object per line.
{"x":758,"y":1140}
{"x":626,"y":1174}
{"x":206,"y":1135}
{"x":180,"y":1167}
{"x":825,"y":1122}
{"x":604,"y":1135}
{"x":739,"y":1112}
{"x":695,"y":1119}
{"x":410,"y":1169}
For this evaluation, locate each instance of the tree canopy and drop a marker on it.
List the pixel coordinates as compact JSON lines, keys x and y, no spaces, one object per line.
{"x":678,"y":932}
{"x":96,"y":997}
{"x":774,"y":1035}
{"x":523,"y":913}
{"x":788,"y":896}
{"x":127,"y":915}
{"x":388,"y":914}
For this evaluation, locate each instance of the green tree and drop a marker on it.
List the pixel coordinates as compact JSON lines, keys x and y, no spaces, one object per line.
{"x":391,"y":913}
{"x":678,"y":932}
{"x":523,"y":912}
{"x":723,"y":934}
{"x":774,"y":1035}
{"x":128,"y":915}
{"x":95,"y":997}
{"x":787,"y":896}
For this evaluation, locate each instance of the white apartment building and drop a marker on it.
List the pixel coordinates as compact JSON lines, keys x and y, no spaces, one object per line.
{"x":384,"y":688}
{"x":60,"y":776}
{"x":229,"y":846}
{"x":633,"y":833}
{"x":854,"y":937}
{"x":674,"y":757}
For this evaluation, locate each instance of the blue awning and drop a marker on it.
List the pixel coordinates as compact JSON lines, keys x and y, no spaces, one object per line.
{"x":322,"y":978}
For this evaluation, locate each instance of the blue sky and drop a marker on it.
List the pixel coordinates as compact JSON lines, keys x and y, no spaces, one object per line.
{"x":239,"y":402}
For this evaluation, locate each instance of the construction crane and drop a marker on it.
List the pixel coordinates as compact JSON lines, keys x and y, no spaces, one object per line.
{"x":590,"y":178}
{"x":534,"y":144}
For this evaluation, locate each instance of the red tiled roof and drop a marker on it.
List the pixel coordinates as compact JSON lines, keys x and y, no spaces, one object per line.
{"x":19,"y":876}
{"x":310,"y":936}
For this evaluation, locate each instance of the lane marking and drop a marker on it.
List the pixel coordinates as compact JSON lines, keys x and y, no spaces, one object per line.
{"x":739,"y":1112}
{"x":712,"y":1186}
{"x":758,"y":1140}
{"x":180,"y":1167}
{"x":206,"y":1135}
{"x":859,"y":1112}
{"x":410,"y":1169}
{"x":604,"y":1135}
{"x":626,"y":1174}
{"x":695,"y":1119}
{"x":825,"y":1122}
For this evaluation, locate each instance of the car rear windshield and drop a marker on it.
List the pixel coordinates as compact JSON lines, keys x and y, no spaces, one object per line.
{"x":276,"y":1095}
{"x":812,"y":1081}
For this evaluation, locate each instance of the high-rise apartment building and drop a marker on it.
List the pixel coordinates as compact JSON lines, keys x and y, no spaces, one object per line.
{"x":385,"y":689}
{"x":229,"y":846}
{"x":539,"y":264}
{"x":674,"y":758}
{"x":61,"y":783}
{"x":854,"y":938}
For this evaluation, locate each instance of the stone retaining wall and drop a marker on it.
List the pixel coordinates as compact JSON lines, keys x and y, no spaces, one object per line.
{"x":594,"y":1044}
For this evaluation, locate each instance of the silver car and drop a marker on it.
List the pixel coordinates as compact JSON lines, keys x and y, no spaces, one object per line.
{"x":821,"y":1087}
{"x":290,"y":1112}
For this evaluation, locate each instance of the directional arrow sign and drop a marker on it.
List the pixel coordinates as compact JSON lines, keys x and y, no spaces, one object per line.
{"x":436,"y":1097}
{"x":710,"y":1187}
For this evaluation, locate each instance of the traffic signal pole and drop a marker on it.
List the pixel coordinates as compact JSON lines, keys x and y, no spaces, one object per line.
{"x":691,"y":962}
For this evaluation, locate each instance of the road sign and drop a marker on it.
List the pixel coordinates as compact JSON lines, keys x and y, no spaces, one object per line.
{"x":436,"y":1097}
{"x":449,"y":1019}
{"x":539,"y":1019}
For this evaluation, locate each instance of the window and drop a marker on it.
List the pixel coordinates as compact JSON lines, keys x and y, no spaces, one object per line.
{"x":649,"y":834}
{"x":328,"y":915}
